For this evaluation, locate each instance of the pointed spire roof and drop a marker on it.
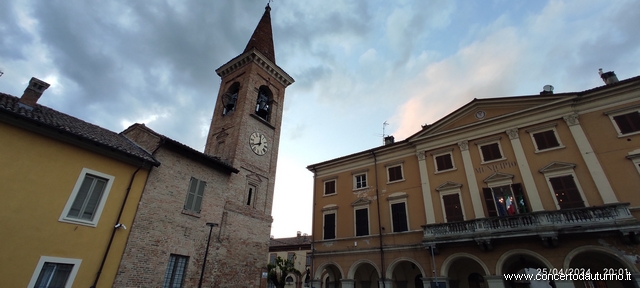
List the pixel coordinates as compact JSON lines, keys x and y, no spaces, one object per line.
{"x":262,"y":38}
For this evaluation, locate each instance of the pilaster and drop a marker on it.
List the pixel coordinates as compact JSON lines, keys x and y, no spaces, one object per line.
{"x":525,"y":171}
{"x":348,"y":283}
{"x":426,"y":188}
{"x":471,"y":180}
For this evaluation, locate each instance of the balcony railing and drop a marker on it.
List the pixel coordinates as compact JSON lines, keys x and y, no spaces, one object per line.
{"x":600,"y":218}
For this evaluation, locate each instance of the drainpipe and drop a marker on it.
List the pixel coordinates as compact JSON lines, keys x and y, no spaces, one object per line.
{"x":313,"y":217}
{"x":117,"y":226}
{"x":375,"y":167}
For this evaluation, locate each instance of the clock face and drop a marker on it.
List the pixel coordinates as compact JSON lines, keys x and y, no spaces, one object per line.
{"x":258,"y":143}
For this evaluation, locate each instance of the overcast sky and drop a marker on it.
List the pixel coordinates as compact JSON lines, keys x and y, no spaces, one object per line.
{"x":356,"y":64}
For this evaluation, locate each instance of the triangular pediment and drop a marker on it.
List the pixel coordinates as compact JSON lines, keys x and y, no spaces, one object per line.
{"x":556,"y":166}
{"x":480,"y":111}
{"x":361,"y":201}
{"x":253,"y":177}
{"x":498,"y":176}
{"x":448,"y":186}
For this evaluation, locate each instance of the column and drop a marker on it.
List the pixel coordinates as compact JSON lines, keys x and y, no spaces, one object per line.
{"x":316,"y":283}
{"x":426,"y":188}
{"x":593,"y":165}
{"x":495,"y":281}
{"x":348,"y":283}
{"x":385,"y":283}
{"x":471,"y":179}
{"x":430,"y":282}
{"x":525,"y":171}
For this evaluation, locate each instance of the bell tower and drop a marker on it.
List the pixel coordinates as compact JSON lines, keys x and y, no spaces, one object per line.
{"x":247,"y":118}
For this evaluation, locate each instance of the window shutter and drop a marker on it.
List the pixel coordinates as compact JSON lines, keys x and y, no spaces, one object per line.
{"x":191,"y":194}
{"x":489,"y":202}
{"x":399,"y":215}
{"x":521,"y":202}
{"x":329,"y":226}
{"x":362,"y":222}
{"x":452,"y":207}
{"x":566,"y":192}
{"x":199,"y":195}
{"x":81,"y":197}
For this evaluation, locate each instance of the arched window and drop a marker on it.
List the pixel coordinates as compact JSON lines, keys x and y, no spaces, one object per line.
{"x":230,"y":98}
{"x":263,"y":103}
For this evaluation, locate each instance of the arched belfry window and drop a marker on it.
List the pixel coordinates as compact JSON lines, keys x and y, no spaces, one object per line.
{"x":230,"y":98}
{"x":263,"y":103}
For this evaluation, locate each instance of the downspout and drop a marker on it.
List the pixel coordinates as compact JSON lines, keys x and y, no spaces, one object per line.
{"x":375,"y":167}
{"x":118,"y":225}
{"x":313,"y":223}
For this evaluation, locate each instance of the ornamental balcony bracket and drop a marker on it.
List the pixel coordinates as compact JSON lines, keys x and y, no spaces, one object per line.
{"x":545,"y":224}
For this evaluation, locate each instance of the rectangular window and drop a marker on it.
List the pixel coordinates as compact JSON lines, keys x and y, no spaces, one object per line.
{"x":329,"y":226}
{"x":491,"y":152}
{"x":566,"y":192}
{"x":308,"y":260}
{"x":87,"y":198}
{"x":174,"y":276}
{"x":194,"y":195}
{"x":505,"y":200}
{"x":251,"y":194}
{"x":291,"y":256}
{"x":360,"y":181}
{"x":54,"y":272}
{"x":399,"y":217}
{"x":546,"y":140}
{"x":395,"y":173}
{"x":444,"y":162}
{"x":452,"y":207}
{"x":330,"y":187}
{"x":362,"y":222}
{"x":628,"y":123}
{"x":272,"y":258}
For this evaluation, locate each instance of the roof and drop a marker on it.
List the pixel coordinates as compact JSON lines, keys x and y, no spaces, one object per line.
{"x":290,"y":243}
{"x":209,"y":160}
{"x":262,"y":37}
{"x":55,"y":124}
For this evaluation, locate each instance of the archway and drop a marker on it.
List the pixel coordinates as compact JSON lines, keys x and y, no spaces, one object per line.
{"x":465,"y":271}
{"x":521,"y":261}
{"x":365,"y":274}
{"x":330,"y":274}
{"x":403,"y":272}
{"x":595,"y":259}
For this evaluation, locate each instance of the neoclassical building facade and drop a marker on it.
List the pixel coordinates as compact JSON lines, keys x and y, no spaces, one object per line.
{"x":499,"y":187}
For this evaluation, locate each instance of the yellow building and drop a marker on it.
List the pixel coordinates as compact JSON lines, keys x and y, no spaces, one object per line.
{"x":297,"y":248}
{"x":69,"y":189}
{"x":500,"y":187}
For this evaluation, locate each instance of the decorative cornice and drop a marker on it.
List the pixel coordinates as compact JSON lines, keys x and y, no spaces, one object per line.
{"x":360,"y":202}
{"x":441,"y":151}
{"x":555,"y":166}
{"x":513,"y":133}
{"x":448,"y":186}
{"x":571,"y":119}
{"x":464,"y":145}
{"x":330,"y":207}
{"x":254,"y":56}
{"x":497,"y":176}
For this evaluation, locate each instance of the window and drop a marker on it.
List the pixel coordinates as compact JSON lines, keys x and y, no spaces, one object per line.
{"x":545,"y":137}
{"x":362,"y":221}
{"x":491,"y":152}
{"x":443,"y":160}
{"x":564,"y":185}
{"x":308,"y":260}
{"x":174,"y":276}
{"x":54,"y":272}
{"x":399,"y":217}
{"x":329,"y":231}
{"x":360,"y":181}
{"x":194,"y":195}
{"x":452,"y":207}
{"x":272,"y":258}
{"x":291,"y":256}
{"x":251,"y":194}
{"x":626,"y":120}
{"x":634,"y":156}
{"x":505,"y":200}
{"x":87,"y":198}
{"x":394,"y":173}
{"x":263,"y":103}
{"x":330,"y":187}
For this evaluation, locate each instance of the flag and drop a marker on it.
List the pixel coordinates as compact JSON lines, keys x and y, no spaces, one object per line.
{"x":500,"y":205}
{"x":511,"y":207}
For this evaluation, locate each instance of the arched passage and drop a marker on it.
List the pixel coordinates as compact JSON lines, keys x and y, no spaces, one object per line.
{"x":596,"y":259}
{"x":403,"y":272}
{"x":365,"y":274}
{"x":522,"y":261}
{"x":330,"y":274}
{"x":464,"y":270}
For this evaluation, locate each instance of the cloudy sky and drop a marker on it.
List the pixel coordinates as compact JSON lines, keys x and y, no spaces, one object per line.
{"x":356,"y":64}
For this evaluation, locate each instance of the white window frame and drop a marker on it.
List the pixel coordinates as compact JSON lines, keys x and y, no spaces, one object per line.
{"x":544,"y":128}
{"x":335,"y":187}
{"x":634,"y":156}
{"x":330,"y":209}
{"x":622,"y":111}
{"x":450,"y":192}
{"x":441,"y":153}
{"x":355,"y":180}
{"x":395,"y":198}
{"x":355,"y":226}
{"x":74,"y":194}
{"x":560,"y":173}
{"x":44,"y":259}
{"x":389,"y":166}
{"x":490,"y":141}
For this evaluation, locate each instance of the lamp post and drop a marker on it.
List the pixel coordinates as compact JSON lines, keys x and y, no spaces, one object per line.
{"x":206,"y":252}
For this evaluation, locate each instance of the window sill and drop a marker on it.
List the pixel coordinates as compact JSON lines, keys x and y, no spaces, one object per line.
{"x":493,"y":161}
{"x":78,"y":222}
{"x":190,"y":213}
{"x":445,"y":171}
{"x":360,"y":189}
{"x":550,"y":149}
{"x":395,"y":181}
{"x":620,"y":135}
{"x":328,"y":195}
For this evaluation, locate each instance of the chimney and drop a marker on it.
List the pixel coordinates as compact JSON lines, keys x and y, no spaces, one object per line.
{"x":608,"y":77}
{"x":547,"y":89}
{"x":388,"y":140}
{"x":299,"y":234}
{"x":34,"y":91}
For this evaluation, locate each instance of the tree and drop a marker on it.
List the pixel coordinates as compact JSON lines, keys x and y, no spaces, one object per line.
{"x":279,"y":269}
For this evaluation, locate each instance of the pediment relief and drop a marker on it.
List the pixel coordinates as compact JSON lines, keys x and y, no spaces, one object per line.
{"x":498,"y":176}
{"x":330,"y":207}
{"x":360,"y":202}
{"x":557,"y":166}
{"x":448,"y":186}
{"x":253,"y":177}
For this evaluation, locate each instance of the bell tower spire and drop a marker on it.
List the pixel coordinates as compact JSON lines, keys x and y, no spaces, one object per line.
{"x":262,"y":37}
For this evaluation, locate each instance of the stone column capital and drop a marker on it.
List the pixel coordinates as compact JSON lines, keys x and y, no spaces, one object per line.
{"x":421,"y":155}
{"x":571,"y":119}
{"x":513,"y":133}
{"x":464,"y":145}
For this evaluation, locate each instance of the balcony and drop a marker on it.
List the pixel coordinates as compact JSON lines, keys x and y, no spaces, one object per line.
{"x":609,"y":217}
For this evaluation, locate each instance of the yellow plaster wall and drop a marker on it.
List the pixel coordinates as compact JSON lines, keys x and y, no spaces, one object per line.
{"x":38,"y":175}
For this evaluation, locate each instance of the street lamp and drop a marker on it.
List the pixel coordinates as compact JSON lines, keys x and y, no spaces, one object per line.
{"x":206,"y":252}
